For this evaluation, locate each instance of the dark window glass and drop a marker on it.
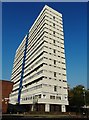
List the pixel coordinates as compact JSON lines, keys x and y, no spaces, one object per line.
{"x":54,"y":51}
{"x":54,"y":74}
{"x":52,"y":97}
{"x":53,"y":41}
{"x":55,"y":88}
{"x":54,"y":17}
{"x":40,"y":96}
{"x":53,"y":24}
{"x":54,"y":32}
{"x":54,"y":61}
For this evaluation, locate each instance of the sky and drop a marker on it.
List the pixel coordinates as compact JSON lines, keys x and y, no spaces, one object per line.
{"x":1,"y":40}
{"x":17,"y":18}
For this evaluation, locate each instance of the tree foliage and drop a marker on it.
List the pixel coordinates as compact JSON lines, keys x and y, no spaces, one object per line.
{"x":78,"y":96}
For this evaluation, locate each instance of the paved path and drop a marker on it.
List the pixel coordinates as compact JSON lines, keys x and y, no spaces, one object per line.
{"x":41,"y":117}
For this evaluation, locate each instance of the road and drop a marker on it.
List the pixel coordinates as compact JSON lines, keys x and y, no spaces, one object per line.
{"x":41,"y":117}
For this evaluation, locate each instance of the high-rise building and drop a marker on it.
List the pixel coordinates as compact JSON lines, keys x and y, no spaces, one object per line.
{"x":39,"y":70}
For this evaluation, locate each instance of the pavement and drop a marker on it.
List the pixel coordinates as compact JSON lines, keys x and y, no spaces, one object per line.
{"x":40,"y":116}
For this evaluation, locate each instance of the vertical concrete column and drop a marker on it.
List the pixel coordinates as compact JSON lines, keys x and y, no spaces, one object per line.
{"x":32,"y":108}
{"x":47,"y":107}
{"x":63,"y":108}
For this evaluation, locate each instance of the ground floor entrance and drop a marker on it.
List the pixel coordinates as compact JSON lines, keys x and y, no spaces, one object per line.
{"x":37,"y":108}
{"x":48,"y":108}
{"x":55,"y":108}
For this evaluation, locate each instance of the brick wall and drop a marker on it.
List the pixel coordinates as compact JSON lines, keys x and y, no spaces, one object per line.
{"x":6,"y":90}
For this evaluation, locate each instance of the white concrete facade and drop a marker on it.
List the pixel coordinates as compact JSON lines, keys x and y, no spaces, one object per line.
{"x":40,"y":63}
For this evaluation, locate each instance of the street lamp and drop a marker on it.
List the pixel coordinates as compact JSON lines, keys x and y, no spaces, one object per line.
{"x":85,"y":101}
{"x":84,"y":97}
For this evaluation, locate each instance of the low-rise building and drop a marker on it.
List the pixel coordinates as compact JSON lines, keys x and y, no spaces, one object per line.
{"x":6,"y":90}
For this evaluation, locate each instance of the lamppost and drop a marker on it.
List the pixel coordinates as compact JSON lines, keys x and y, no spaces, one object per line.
{"x":85,"y":100}
{"x":84,"y":97}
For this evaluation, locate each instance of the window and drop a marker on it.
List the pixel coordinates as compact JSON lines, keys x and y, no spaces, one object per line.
{"x":54,"y":74}
{"x":62,"y":57}
{"x":64,"y":68}
{"x":30,"y":98}
{"x":63,"y":63}
{"x":58,"y":97}
{"x":44,"y":96}
{"x":54,"y":51}
{"x":53,"y":24}
{"x":53,"y":17}
{"x":53,"y":32}
{"x":53,"y":41}
{"x":64,"y":81}
{"x":62,"y":47}
{"x":55,"y":62}
{"x":66,"y":97}
{"x":64,"y":74}
{"x":52,"y":97}
{"x":40,"y":96}
{"x":55,"y":88}
{"x":65,"y":87}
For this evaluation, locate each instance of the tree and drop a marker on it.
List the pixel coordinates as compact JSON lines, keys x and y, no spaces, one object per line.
{"x":76,"y":97}
{"x":87,"y":97}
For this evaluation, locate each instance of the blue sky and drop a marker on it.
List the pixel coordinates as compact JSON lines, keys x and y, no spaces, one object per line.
{"x":18,"y":18}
